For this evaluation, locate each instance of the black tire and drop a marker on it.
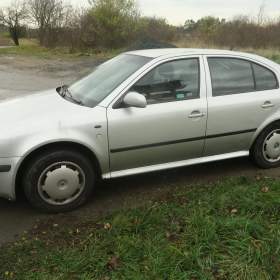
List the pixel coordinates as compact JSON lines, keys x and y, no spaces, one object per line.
{"x":257,"y":149}
{"x":37,"y":166}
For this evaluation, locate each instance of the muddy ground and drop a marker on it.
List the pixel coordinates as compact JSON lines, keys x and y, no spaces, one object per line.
{"x":24,"y":75}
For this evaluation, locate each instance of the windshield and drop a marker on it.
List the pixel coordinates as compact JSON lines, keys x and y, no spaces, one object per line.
{"x":92,"y":89}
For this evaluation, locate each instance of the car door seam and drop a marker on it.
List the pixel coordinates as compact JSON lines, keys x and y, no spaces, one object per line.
{"x":124,"y":149}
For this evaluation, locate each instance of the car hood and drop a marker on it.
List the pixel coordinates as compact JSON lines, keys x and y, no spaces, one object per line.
{"x":40,"y":112}
{"x":46,"y":117}
{"x":39,"y":105}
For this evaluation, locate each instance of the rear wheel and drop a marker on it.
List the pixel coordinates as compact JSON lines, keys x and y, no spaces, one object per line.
{"x":266,"y":150}
{"x":59,"y":181}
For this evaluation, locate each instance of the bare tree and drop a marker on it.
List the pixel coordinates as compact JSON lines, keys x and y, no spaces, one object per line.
{"x":13,"y":18}
{"x":261,"y":13}
{"x":47,"y":15}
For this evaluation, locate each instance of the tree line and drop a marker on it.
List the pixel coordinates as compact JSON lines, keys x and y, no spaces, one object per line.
{"x":110,"y":24}
{"x":239,"y":32}
{"x":104,"y":24}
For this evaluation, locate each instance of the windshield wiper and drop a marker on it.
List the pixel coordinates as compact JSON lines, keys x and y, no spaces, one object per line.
{"x":65,"y":93}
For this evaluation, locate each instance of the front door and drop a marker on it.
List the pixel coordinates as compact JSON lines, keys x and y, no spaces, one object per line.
{"x":172,"y":126}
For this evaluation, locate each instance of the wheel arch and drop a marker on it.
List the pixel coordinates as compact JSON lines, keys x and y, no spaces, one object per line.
{"x":261,"y":129}
{"x":86,"y":151}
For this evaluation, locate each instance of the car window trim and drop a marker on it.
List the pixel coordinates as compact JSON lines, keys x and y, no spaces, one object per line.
{"x":254,"y":76}
{"x":117,"y":104}
{"x":251,"y":62}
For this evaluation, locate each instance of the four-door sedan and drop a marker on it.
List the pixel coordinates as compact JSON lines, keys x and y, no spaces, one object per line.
{"x":139,"y":112}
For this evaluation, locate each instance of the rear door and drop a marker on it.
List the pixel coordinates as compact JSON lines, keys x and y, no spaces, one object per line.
{"x":242,"y":95}
{"x":171,"y":128}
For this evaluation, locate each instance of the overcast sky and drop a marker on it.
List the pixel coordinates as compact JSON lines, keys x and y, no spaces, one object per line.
{"x":177,"y":11}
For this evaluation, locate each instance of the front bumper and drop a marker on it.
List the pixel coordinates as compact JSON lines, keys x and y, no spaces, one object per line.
{"x":8,"y":168}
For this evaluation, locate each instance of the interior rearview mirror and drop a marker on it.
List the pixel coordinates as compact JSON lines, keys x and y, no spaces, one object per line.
{"x":135,"y":99}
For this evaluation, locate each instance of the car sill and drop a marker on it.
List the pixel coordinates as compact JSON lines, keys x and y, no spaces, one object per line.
{"x":170,"y":165}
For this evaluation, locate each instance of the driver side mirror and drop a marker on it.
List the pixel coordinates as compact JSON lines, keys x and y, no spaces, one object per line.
{"x":135,"y":99}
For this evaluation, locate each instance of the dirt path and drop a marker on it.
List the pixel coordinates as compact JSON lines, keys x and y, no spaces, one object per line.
{"x":24,"y":75}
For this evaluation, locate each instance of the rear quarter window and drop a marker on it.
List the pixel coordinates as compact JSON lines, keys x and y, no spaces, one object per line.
{"x":265,"y":78}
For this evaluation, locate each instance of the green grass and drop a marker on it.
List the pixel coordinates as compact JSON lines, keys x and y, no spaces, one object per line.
{"x":272,"y":54}
{"x":32,"y":48}
{"x":228,"y":230}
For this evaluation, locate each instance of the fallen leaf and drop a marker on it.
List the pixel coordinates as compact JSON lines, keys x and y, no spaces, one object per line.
{"x":257,"y":243}
{"x":265,"y":189}
{"x":136,"y":221}
{"x":171,"y":236}
{"x":113,"y":263}
{"x":216,"y":271}
{"x":258,"y":178}
{"x":107,"y":226}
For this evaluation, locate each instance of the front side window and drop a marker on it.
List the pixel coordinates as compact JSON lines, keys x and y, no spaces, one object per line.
{"x":171,"y":81}
{"x":234,"y":76}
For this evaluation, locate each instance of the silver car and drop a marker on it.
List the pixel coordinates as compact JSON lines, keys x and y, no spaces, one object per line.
{"x":142,"y":111}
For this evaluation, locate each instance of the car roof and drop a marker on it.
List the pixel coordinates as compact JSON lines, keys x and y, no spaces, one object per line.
{"x":157,"y":53}
{"x":154,"y":53}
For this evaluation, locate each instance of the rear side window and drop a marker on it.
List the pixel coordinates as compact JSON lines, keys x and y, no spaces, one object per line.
{"x":234,"y":76}
{"x":265,"y":79}
{"x":230,"y":76}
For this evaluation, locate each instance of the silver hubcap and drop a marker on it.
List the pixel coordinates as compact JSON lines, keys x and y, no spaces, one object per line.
{"x":61,"y":183}
{"x":271,"y":147}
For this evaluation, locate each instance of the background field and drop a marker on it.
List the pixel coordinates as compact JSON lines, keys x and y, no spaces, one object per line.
{"x":107,"y":27}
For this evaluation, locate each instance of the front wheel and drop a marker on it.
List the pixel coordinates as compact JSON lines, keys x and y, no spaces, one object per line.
{"x":266,"y":150}
{"x":59,"y":181}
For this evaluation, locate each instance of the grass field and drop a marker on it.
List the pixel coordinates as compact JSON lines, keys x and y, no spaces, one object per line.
{"x":5,"y":39}
{"x":273,"y":54}
{"x":32,"y":48}
{"x":227,"y":230}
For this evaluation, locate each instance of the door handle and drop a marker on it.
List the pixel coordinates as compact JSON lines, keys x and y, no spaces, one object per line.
{"x":268,"y":104}
{"x":196,"y":114}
